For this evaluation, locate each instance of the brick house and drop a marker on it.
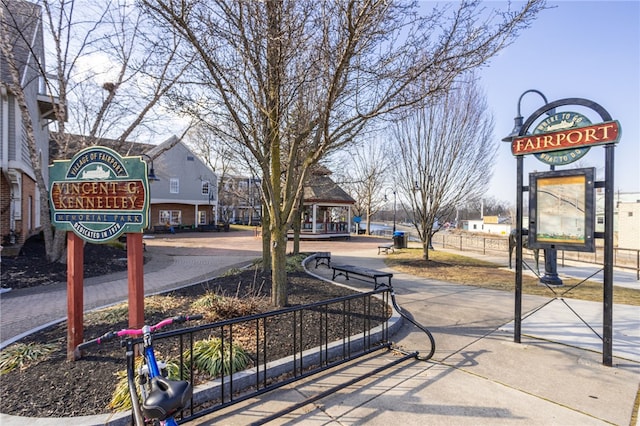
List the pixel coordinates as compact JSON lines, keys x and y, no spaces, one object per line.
{"x":19,"y":195}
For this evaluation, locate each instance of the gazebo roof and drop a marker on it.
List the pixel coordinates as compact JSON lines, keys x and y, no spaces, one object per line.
{"x":320,"y":188}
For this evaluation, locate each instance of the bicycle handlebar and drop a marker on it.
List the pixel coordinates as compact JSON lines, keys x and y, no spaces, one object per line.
{"x":137,"y":332}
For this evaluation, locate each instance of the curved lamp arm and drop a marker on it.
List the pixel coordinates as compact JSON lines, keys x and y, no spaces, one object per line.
{"x":151,"y":174}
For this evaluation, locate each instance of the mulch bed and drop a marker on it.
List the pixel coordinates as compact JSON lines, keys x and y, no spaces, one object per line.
{"x":58,"y":388}
{"x":31,"y":269}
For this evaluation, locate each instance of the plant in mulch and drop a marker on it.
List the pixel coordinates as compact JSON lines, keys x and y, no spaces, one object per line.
{"x":23,"y":355}
{"x":215,"y":358}
{"x":215,"y":307}
{"x":210,"y":357}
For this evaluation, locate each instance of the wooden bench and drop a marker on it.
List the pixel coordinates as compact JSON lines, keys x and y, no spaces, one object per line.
{"x":163,"y":229}
{"x":385,"y":248}
{"x":347,"y":270}
{"x":323,"y":258}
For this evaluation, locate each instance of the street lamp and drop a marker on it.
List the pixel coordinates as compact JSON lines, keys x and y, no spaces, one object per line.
{"x":151,"y":174}
{"x":518,"y":120}
{"x":550,"y":259}
{"x":394,"y":208}
{"x":550,"y":256}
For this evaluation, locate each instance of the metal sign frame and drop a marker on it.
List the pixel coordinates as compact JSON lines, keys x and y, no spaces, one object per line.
{"x":607,"y":235}
{"x":562,"y":210}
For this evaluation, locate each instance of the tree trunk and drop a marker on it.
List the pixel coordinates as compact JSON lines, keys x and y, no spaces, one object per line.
{"x":56,"y":250}
{"x":296,"y":234}
{"x":279,"y":284}
{"x":297,"y":226}
{"x":425,"y":250}
{"x":266,"y":243}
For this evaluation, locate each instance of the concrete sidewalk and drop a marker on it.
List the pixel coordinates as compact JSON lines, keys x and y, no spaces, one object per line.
{"x":478,"y":375}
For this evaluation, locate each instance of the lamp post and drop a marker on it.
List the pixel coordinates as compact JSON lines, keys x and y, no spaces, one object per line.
{"x":151,"y":174}
{"x":550,"y":255}
{"x":550,"y":258}
{"x":394,"y":208}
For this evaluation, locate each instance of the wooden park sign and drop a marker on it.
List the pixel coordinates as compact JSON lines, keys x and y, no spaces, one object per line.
{"x":97,"y":196}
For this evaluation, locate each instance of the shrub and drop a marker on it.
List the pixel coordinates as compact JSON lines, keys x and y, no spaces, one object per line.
{"x":23,"y":355}
{"x":120,"y":312}
{"x":212,"y":357}
{"x":216,"y":307}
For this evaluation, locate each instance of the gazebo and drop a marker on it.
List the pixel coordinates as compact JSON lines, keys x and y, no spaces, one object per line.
{"x":326,"y":208}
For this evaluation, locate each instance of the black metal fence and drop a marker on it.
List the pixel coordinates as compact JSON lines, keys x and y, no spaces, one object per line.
{"x":622,"y":258}
{"x":316,"y":337}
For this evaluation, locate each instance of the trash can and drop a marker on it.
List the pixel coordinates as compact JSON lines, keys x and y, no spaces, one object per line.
{"x":400,"y":239}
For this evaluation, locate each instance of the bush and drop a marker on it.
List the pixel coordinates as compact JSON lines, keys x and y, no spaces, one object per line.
{"x":23,"y":355}
{"x":212,"y":357}
{"x":216,"y":307}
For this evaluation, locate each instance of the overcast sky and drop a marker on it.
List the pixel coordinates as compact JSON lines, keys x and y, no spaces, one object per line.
{"x":579,"y":49}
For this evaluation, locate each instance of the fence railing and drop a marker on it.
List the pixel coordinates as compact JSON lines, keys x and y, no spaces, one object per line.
{"x":622,"y":258}
{"x":316,"y":336}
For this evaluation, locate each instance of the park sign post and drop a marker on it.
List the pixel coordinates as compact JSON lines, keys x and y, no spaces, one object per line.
{"x":561,"y":202}
{"x":97,"y":196}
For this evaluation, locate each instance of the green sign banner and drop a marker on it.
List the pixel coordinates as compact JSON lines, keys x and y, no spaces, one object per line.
{"x":99,"y":195}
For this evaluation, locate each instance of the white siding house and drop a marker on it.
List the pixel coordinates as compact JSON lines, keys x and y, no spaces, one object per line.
{"x":185,"y":194}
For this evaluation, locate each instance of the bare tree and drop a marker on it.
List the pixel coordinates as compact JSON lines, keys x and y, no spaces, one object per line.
{"x":368,"y":178}
{"x":446,"y":152}
{"x":220,"y":157}
{"x":298,"y":79}
{"x":142,"y":64}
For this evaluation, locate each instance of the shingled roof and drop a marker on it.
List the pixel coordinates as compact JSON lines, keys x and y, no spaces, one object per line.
{"x":23,"y":23}
{"x":320,"y":188}
{"x":77,"y":142}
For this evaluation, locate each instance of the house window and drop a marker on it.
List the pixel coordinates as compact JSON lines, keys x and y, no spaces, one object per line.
{"x":171,"y":217}
{"x":205,"y":187}
{"x":174,"y":185}
{"x":202,"y":217}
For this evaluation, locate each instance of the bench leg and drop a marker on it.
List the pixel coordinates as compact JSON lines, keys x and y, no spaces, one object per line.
{"x":323,"y":261}
{"x":345,"y":274}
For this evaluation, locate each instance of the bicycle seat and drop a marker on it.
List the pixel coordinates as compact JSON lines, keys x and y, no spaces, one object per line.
{"x":166,"y":397}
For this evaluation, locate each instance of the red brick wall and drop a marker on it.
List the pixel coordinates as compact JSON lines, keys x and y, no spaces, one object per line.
{"x":28,"y":190}
{"x":188,"y":213}
{"x":22,"y":224}
{"x":5,"y":206}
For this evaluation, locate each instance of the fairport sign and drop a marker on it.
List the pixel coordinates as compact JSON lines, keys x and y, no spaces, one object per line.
{"x":99,"y":195}
{"x":568,"y":139}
